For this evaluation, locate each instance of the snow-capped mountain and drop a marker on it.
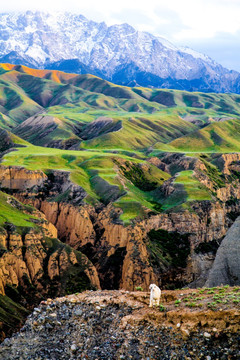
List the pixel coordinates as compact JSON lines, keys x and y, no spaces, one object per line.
{"x":119,"y":53}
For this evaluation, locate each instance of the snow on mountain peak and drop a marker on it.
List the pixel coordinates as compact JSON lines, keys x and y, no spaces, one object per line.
{"x":118,"y":52}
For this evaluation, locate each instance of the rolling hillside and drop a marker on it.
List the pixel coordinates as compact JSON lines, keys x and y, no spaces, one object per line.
{"x":111,"y":139}
{"x":63,"y":105}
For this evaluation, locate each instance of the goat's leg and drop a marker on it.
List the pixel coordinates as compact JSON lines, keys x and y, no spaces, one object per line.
{"x":151,"y":302}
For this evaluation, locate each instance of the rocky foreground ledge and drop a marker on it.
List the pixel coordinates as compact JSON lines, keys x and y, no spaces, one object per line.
{"x":120,"y":325}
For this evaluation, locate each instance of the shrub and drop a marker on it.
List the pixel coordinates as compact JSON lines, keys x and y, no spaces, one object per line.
{"x":192,"y":304}
{"x":162,"y":308}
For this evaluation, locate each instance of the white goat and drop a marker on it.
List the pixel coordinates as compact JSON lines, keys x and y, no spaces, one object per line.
{"x":155,"y":294}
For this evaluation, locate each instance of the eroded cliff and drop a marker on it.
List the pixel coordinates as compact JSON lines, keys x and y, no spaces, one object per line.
{"x":34,"y":264}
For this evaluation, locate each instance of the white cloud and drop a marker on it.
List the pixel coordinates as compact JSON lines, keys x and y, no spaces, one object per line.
{"x":199,"y":18}
{"x":206,"y":18}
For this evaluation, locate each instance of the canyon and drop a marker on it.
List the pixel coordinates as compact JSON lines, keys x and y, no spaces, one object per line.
{"x":122,"y":254}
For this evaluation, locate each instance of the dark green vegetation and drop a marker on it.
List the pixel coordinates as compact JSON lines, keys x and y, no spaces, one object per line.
{"x":11,"y":313}
{"x":207,"y":246}
{"x":172,"y":247}
{"x":168,"y":253}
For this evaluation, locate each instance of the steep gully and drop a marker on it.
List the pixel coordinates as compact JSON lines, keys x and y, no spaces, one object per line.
{"x":121,"y":254}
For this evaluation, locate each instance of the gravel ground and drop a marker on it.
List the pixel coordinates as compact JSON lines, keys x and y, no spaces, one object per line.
{"x":97,"y":326}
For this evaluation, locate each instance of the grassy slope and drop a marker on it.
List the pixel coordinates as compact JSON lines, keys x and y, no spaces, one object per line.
{"x":149,"y":116}
{"x":95,"y":171}
{"x":217,"y":137}
{"x":187,"y":189}
{"x":20,"y":217}
{"x":11,"y":314}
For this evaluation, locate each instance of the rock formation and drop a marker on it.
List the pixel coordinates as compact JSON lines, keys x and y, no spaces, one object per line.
{"x":226,"y":266}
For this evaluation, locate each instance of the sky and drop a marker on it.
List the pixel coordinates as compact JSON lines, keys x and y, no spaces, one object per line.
{"x":209,"y":26}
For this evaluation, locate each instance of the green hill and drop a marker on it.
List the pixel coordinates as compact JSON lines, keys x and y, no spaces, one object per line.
{"x":221,"y":136}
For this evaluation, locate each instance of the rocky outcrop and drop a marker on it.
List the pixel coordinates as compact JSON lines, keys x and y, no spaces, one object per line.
{"x":228,"y":162}
{"x":16,"y":178}
{"x":5,"y":141}
{"x":40,"y":127}
{"x":198,"y":268}
{"x":102,"y":125}
{"x":176,"y":162}
{"x":220,"y":173}
{"x":226,"y":266}
{"x":36,"y":183}
{"x":119,"y":253}
{"x":34,"y":264}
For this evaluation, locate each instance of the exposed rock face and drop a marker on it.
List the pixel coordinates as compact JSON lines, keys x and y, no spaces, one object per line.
{"x":119,"y":253}
{"x":16,"y":178}
{"x":224,"y":182}
{"x":101,"y":125}
{"x":226,"y":266}
{"x":36,"y":183}
{"x":199,"y":267}
{"x":229,"y":161}
{"x":5,"y":141}
{"x":38,"y":125}
{"x":38,"y":128}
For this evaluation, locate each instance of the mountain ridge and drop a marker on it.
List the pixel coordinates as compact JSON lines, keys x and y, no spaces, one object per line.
{"x":117,"y":53}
